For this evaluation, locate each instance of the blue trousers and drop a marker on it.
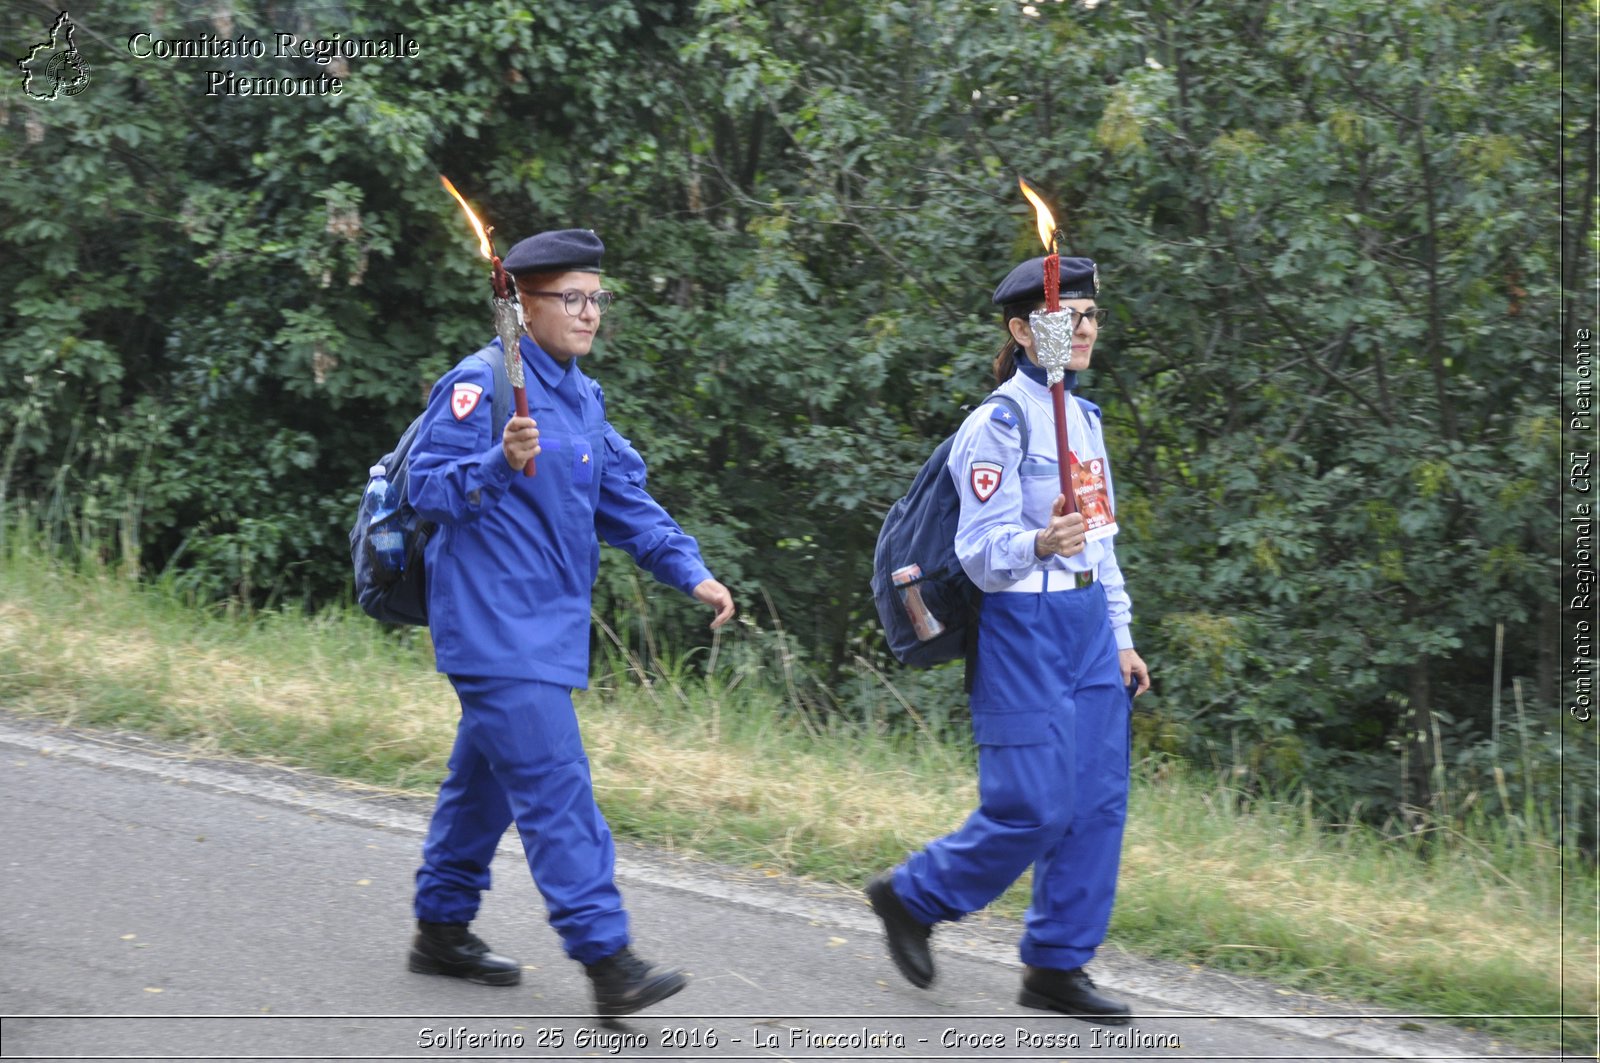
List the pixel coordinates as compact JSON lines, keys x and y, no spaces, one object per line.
{"x":518,"y":757}
{"x":1051,"y":719}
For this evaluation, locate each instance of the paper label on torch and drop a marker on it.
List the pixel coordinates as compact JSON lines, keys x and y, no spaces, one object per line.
{"x":1090,"y":484}
{"x":1094,"y":502}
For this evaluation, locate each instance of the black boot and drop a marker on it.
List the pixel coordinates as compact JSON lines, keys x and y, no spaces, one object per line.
{"x":451,"y":949}
{"x":1071,"y":993}
{"x":623,"y":983}
{"x":908,"y":939}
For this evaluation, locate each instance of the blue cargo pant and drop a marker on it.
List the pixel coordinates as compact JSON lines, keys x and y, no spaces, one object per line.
{"x":518,"y":757}
{"x":1051,"y":718}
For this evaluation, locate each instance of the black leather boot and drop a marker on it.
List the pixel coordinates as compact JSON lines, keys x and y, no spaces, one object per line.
{"x":451,"y":949}
{"x":907,"y":938}
{"x":1071,"y":993}
{"x":623,"y":983}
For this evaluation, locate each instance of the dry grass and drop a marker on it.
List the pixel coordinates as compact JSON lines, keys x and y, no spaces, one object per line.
{"x":220,"y":691}
{"x":836,"y":805}
{"x":1371,"y":900}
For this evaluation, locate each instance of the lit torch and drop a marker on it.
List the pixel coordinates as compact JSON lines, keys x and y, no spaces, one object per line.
{"x":1052,"y":331}
{"x":506,"y":323}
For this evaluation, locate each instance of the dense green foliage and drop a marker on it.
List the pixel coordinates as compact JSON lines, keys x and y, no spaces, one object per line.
{"x":1327,"y":232}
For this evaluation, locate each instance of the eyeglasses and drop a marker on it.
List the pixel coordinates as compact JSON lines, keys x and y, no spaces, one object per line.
{"x":1098,"y":315}
{"x":573,"y":300}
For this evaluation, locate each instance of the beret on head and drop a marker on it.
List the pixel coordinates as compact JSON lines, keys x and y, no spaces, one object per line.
{"x":1025,"y":284}
{"x":555,"y":252}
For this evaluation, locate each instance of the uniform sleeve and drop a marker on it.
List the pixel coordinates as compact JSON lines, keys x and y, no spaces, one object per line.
{"x":1118,"y":605}
{"x":629,"y":519}
{"x":457,"y":468}
{"x":994,"y":541}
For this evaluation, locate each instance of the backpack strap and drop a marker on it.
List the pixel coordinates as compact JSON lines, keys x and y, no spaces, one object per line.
{"x":500,"y":400}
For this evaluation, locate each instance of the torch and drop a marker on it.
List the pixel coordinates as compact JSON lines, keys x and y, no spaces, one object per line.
{"x":504,"y":304}
{"x":1052,"y":331}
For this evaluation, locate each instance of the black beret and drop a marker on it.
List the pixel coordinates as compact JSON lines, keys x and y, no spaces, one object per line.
{"x":556,"y":252}
{"x":1025,"y":284}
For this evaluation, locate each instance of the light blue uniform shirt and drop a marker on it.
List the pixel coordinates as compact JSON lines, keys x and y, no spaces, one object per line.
{"x":511,"y":568}
{"x":995,"y":535}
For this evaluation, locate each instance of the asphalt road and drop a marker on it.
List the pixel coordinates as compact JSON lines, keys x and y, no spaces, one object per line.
{"x":157,"y":905}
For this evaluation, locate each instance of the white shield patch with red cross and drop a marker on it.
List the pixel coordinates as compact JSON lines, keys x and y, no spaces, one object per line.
{"x":465,"y":399}
{"x":984,"y":476}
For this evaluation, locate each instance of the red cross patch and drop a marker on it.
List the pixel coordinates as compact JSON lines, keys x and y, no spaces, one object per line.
{"x":465,"y":399}
{"x":984,"y":476}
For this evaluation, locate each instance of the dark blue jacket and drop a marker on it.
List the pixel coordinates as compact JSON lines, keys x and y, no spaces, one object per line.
{"x":512,"y":565}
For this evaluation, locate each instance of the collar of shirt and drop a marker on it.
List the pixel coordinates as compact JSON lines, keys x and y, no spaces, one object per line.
{"x":1037,"y":374}
{"x":550,"y":371}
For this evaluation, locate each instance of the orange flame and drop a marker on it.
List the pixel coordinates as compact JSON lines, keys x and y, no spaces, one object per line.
{"x":1046,"y":220}
{"x":483,"y":235}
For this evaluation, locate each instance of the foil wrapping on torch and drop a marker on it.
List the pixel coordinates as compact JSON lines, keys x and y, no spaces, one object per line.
{"x":509,"y":328}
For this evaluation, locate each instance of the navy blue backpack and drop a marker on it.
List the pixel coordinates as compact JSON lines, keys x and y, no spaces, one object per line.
{"x":920,"y":530}
{"x":402,"y":598}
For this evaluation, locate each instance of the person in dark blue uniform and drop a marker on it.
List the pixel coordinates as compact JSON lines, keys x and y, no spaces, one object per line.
{"x":510,"y":572}
{"x":1054,"y":675}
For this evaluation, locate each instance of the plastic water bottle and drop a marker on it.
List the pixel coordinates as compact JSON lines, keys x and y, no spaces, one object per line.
{"x":923,"y":622}
{"x":383,"y":526}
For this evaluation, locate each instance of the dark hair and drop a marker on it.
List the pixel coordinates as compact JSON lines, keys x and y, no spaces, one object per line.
{"x":1005,"y":360}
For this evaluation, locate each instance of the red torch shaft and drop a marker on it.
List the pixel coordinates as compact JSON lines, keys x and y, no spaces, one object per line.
{"x":519,"y":398}
{"x":1058,"y":390}
{"x":1058,"y":398}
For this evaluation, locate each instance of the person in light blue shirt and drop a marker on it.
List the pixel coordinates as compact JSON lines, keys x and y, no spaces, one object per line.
{"x":510,"y":572}
{"x":1054,"y":675}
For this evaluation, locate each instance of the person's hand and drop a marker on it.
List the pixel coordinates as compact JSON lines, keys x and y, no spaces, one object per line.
{"x":1133,"y":666}
{"x":715,"y":595}
{"x":1063,"y":535}
{"x":520,"y":442}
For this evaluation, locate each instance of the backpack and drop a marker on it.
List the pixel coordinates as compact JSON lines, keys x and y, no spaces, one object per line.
{"x":402,"y":598}
{"x":920,"y":530}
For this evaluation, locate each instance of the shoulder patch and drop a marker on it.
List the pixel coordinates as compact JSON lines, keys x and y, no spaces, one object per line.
{"x":1003,"y":414}
{"x":984,"y":478}
{"x":464,"y":399}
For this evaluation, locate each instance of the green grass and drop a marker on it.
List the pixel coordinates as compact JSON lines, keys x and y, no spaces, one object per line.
{"x":1497,"y":921}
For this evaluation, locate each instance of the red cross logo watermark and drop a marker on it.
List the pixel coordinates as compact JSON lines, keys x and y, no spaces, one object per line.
{"x":984,"y":476}
{"x":465,"y":399}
